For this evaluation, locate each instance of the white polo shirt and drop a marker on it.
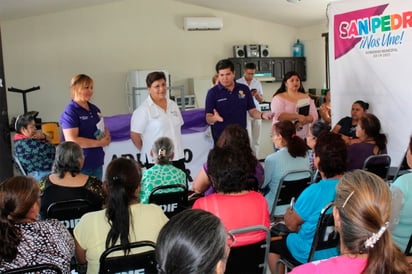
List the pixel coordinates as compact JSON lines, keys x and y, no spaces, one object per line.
{"x":152,"y":122}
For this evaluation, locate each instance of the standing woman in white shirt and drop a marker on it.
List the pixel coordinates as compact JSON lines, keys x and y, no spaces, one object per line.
{"x":157,"y":116}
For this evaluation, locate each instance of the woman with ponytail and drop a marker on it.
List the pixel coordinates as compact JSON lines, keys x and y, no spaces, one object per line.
{"x":292,"y":154}
{"x":23,"y":239}
{"x":372,"y":141}
{"x":163,"y":173}
{"x":123,"y":221}
{"x":366,"y":245}
{"x":331,"y":158}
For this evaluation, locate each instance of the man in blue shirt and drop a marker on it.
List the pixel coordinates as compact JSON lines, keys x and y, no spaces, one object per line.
{"x":228,"y":102}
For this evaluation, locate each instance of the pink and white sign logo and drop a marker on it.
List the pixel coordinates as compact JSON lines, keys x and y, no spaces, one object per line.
{"x":369,"y":29}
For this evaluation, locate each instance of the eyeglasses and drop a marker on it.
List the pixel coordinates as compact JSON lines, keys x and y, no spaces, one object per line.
{"x":231,"y":239}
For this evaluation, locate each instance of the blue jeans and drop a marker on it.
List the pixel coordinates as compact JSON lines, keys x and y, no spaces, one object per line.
{"x":96,"y":172}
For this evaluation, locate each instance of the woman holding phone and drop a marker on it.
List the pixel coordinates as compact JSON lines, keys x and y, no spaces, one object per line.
{"x":301,"y":218}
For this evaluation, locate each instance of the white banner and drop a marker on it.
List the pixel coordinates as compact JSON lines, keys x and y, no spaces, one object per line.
{"x":370,"y":48}
{"x":196,"y":147}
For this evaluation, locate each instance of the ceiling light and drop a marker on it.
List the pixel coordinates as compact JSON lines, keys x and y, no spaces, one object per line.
{"x":293,"y":1}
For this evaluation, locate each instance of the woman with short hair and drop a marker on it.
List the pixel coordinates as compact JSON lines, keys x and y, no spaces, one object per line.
{"x":66,"y":182}
{"x":156,"y":117}
{"x":32,"y":148}
{"x":163,"y":173}
{"x":82,"y":122}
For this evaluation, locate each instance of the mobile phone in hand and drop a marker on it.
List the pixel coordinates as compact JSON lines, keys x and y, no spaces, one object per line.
{"x":292,"y":203}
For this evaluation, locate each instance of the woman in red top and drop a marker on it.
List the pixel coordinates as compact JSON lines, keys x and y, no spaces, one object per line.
{"x":233,"y":203}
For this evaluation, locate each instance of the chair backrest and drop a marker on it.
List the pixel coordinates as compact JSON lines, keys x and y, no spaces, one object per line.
{"x":70,"y":211}
{"x":289,"y":187}
{"x":249,"y":258}
{"x":144,"y":262}
{"x":402,"y":168}
{"x":171,"y":202}
{"x":325,"y":234}
{"x":35,"y":268}
{"x":408,"y":250}
{"x":378,"y":164}
{"x":19,"y":166}
{"x":52,"y":130}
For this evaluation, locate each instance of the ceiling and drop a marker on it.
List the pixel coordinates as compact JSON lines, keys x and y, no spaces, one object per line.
{"x":15,"y":9}
{"x":300,"y":14}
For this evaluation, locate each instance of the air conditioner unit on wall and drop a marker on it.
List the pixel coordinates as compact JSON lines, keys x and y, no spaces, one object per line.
{"x":202,"y":23}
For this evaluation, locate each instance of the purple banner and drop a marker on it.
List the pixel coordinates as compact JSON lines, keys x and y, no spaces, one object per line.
{"x":119,"y":125}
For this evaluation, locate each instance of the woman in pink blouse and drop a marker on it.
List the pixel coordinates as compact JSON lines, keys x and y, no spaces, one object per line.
{"x":366,"y":245}
{"x":285,"y":101}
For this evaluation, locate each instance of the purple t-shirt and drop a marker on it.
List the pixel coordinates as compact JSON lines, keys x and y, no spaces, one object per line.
{"x":75,"y":116}
{"x":232,"y":106}
{"x":358,"y":152}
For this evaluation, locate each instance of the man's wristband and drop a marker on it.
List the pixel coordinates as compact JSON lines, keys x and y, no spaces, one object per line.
{"x":261,"y":115}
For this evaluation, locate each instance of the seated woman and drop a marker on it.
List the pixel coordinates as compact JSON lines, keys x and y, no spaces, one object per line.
{"x":331,"y":160}
{"x":366,"y":245}
{"x":314,"y":131}
{"x":233,"y":203}
{"x":163,"y":172}
{"x":236,"y":137}
{"x":292,"y":154}
{"x":31,"y":148}
{"x":402,"y":205}
{"x":347,"y":126}
{"x":325,"y":110}
{"x":372,"y":141}
{"x":25,"y":240}
{"x":122,"y":221}
{"x":67,"y":183}
{"x":193,"y":241}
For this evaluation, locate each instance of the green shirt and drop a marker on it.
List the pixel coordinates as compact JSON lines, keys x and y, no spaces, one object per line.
{"x":160,"y":175}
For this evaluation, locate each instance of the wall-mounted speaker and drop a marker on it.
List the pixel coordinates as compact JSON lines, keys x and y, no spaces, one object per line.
{"x":239,"y":51}
{"x":264,"y":50}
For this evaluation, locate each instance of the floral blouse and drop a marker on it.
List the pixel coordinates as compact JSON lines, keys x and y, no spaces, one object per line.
{"x":43,"y":242}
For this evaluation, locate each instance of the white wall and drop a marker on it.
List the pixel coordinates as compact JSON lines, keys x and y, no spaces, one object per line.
{"x":105,"y":41}
{"x":314,"y":44}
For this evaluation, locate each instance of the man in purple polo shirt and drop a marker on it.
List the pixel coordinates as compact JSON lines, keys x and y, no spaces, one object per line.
{"x":228,"y":102}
